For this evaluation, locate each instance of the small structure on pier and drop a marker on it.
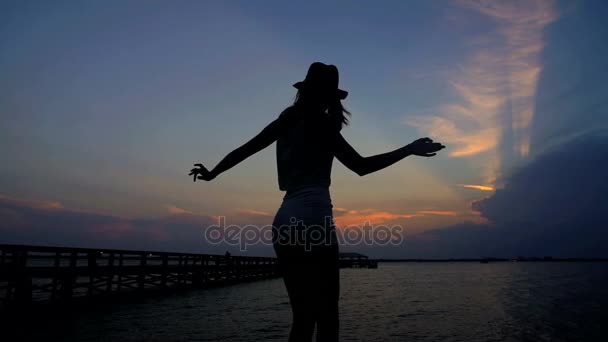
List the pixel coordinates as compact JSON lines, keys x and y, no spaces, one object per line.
{"x":356,"y":260}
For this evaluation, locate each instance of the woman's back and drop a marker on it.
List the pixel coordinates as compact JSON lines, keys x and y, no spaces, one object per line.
{"x":305,"y":148}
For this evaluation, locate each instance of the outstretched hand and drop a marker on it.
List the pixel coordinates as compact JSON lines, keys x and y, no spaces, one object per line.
{"x":425,"y":147}
{"x":201,"y":172}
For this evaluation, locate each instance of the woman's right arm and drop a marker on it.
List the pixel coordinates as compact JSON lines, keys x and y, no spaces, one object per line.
{"x":266,"y":137}
{"x":362,"y":166}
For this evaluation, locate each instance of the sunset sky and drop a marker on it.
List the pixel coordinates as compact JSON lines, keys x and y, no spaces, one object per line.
{"x":105,"y":106}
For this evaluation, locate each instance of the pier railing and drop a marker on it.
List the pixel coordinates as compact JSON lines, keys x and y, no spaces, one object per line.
{"x":35,"y":273}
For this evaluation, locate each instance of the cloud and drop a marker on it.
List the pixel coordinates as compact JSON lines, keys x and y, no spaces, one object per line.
{"x":496,"y":86}
{"x":477,"y":187}
{"x":35,"y":204}
{"x":344,"y":217}
{"x":565,"y":185}
{"x":37,"y":223}
{"x":521,"y":23}
{"x":177,"y":211}
{"x":555,"y":205}
{"x":372,"y":216}
{"x":438,"y":212}
{"x":254,"y":212}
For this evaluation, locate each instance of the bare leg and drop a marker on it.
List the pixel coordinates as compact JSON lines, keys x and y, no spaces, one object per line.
{"x":329,"y":281}
{"x":298,"y":275}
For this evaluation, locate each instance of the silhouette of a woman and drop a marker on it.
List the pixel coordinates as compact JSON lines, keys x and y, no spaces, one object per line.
{"x":304,"y":238}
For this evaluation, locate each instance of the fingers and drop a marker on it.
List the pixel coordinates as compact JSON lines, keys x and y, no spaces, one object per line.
{"x":424,"y":140}
{"x":434,"y":147}
{"x":428,"y":140}
{"x":196,"y":171}
{"x":437,"y":146}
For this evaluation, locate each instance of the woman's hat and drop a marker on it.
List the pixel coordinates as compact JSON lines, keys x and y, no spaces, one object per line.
{"x":322,"y":77}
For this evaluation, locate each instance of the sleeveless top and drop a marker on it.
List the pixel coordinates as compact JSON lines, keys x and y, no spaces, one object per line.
{"x":305,"y":149}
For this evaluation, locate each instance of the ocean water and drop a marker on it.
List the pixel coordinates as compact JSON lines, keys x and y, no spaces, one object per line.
{"x":396,"y":302}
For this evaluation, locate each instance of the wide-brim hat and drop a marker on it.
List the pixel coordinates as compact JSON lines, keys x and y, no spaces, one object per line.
{"x":322,"y":77}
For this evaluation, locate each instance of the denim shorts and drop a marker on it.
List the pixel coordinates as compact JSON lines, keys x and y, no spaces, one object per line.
{"x":305,"y":218}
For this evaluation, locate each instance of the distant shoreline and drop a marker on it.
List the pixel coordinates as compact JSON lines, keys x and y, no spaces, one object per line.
{"x":487,"y":260}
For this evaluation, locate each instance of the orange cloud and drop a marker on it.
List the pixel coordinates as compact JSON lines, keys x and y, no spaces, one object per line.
{"x":173,"y":210}
{"x":344,"y":217}
{"x":438,"y":212}
{"x":478,"y":187}
{"x":340,"y":210}
{"x":360,"y":217}
{"x":254,"y":212}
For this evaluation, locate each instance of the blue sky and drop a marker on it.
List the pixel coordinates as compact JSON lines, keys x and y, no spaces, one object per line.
{"x":106,"y":105}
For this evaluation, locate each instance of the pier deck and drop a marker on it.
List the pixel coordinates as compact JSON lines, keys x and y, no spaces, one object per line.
{"x":36,"y":273}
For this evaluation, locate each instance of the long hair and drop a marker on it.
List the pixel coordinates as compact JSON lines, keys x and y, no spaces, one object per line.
{"x":334,"y":109}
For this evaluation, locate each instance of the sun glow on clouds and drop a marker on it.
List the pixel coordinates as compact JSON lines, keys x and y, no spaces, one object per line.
{"x":498,"y":82}
{"x":437,"y":212}
{"x":521,"y":24}
{"x":477,"y":187}
{"x":254,"y":212}
{"x":344,"y":217}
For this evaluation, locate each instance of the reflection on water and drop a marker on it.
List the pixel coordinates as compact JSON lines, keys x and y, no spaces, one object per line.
{"x":396,"y":302}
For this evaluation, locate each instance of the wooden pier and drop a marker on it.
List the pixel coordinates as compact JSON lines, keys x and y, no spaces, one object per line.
{"x":57,"y":274}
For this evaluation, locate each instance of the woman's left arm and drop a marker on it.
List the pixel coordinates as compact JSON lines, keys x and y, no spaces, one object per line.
{"x":268,"y":135}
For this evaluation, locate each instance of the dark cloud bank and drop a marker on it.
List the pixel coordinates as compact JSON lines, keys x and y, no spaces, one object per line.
{"x":556,"y":205}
